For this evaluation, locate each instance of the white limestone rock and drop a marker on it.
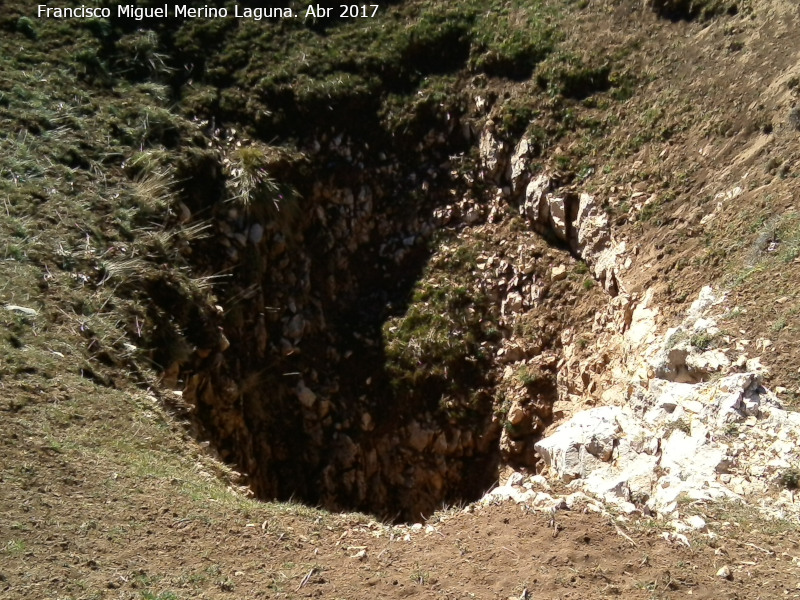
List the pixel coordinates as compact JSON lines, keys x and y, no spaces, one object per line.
{"x":518,"y":166}
{"x":579,"y":445}
{"x":591,"y":230}
{"x":535,"y":206}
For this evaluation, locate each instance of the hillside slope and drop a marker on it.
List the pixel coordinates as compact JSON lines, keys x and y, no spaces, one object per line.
{"x":366,"y":265}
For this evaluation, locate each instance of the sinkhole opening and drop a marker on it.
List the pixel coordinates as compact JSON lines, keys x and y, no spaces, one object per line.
{"x":394,"y":376}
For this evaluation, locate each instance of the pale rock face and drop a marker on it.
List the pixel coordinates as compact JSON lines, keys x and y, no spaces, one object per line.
{"x":576,"y":447}
{"x":509,"y":492}
{"x":513,"y":303}
{"x":711,"y":361}
{"x":515,"y":479}
{"x":615,"y":484}
{"x":591,"y":227}
{"x":518,"y":166}
{"x":670,"y":430}
{"x":606,"y":266}
{"x":535,"y":206}
{"x":696,"y":522}
{"x":676,"y":437}
{"x":492,"y":152}
{"x":558,"y":273}
{"x":670,"y":442}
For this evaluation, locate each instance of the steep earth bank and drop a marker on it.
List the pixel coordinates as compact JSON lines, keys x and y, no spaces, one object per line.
{"x":375,"y":277}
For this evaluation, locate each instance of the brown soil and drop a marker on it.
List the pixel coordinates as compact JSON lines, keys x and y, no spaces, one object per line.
{"x":713,"y":113}
{"x":151,"y":519}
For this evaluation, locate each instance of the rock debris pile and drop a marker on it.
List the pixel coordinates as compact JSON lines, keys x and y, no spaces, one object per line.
{"x":693,"y":425}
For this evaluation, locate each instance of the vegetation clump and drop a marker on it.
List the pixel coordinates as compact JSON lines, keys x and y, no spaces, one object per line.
{"x":438,"y":348}
{"x":703,"y":340}
{"x":790,"y":478}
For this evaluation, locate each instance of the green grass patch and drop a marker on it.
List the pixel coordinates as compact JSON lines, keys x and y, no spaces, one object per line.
{"x":436,"y":349}
{"x":703,"y":340}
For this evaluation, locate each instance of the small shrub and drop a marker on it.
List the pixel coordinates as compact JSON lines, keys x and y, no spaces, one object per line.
{"x":525,"y":377}
{"x":563,"y":161}
{"x":15,"y":547}
{"x":649,"y":211}
{"x":779,"y":324}
{"x":790,"y":478}
{"x":732,"y":429}
{"x":420,"y":576}
{"x":25,"y":27}
{"x":703,"y":340}
{"x":588,"y":284}
{"x":680,"y":425}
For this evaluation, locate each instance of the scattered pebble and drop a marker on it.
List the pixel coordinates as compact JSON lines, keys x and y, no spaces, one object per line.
{"x":725,"y":573}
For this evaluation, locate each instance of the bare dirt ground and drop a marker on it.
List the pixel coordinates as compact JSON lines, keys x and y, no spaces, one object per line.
{"x":151,"y":516}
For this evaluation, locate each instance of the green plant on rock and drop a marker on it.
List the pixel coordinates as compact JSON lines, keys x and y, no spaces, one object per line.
{"x":678,"y":425}
{"x":436,"y":349}
{"x":249,"y":178}
{"x":703,"y":340}
{"x":790,"y":478}
{"x":649,"y":211}
{"x":525,"y":376}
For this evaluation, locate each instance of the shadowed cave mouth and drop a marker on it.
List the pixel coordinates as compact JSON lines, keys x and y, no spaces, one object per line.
{"x":361,"y":372}
{"x":350,"y":355}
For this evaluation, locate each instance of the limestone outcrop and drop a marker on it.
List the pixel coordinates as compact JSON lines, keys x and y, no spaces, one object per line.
{"x":688,"y":425}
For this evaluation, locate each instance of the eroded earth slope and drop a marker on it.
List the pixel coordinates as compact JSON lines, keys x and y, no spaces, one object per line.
{"x":383,"y":266}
